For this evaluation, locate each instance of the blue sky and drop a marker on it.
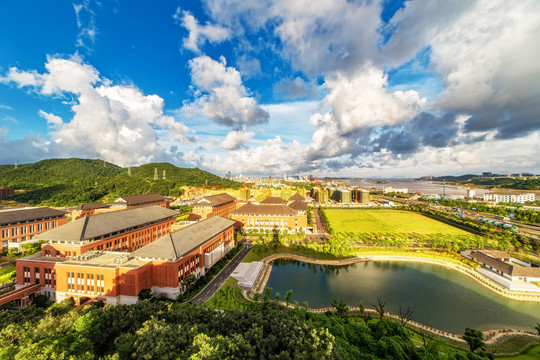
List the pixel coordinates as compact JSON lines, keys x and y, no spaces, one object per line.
{"x":333,"y":88}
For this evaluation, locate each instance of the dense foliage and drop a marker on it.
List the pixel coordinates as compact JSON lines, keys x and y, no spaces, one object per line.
{"x":65,"y":182}
{"x":163,"y":330}
{"x":508,"y":183}
{"x":527,"y":215}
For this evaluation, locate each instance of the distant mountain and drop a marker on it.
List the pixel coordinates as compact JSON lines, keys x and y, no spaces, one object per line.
{"x":66,"y":182}
{"x":450,"y":178}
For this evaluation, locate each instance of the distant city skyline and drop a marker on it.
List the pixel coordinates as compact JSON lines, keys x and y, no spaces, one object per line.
{"x":330,"y":88}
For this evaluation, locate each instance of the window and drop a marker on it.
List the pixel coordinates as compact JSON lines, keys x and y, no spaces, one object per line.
{"x":47,"y":226}
{"x":100,"y":286}
{"x":90,"y":283}
{"x":40,"y":227}
{"x":32,"y":228}
{"x":47,"y":252}
{"x":23,"y":230}
{"x":80,"y":282}
{"x":55,"y":224}
{"x":14,"y":231}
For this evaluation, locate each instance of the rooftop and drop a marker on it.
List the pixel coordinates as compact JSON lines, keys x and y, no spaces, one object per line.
{"x":181,"y":242}
{"x":298,"y":205}
{"x":92,"y":206}
{"x":274,"y":200}
{"x":13,"y":216}
{"x":132,"y":200}
{"x":105,"y":224}
{"x":107,"y":260}
{"x":215,"y":200}
{"x":297,"y":197}
{"x":272,"y":210}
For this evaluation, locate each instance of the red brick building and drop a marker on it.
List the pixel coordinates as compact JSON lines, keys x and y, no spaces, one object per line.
{"x":117,"y":277}
{"x":23,"y":224}
{"x":214,"y":205}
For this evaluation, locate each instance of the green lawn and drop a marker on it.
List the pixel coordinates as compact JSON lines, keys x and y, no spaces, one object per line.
{"x":531,"y":353}
{"x":387,"y":221}
{"x":229,"y":297}
{"x":7,"y":274}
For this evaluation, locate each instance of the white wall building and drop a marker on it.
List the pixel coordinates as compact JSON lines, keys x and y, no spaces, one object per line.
{"x":509,"y":198}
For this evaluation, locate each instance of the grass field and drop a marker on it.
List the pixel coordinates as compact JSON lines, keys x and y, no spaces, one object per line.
{"x":387,"y":221}
{"x":7,"y":274}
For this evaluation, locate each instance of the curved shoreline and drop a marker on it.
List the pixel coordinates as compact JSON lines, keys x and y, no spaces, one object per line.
{"x":491,"y":336}
{"x":487,"y":283}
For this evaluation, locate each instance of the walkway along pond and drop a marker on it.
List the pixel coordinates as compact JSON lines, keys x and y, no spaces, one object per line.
{"x":440,"y":298}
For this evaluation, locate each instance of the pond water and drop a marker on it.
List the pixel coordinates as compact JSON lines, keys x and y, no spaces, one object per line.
{"x":439,"y":297}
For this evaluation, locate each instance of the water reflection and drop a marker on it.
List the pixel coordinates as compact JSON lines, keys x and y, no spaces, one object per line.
{"x":439,"y":297}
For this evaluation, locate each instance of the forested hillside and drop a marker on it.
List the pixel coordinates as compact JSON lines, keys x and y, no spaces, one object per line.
{"x":66,"y":182}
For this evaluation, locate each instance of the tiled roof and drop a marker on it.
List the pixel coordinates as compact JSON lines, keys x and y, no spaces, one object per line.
{"x":23,"y":215}
{"x":132,"y":200}
{"x":274,"y":200}
{"x":494,"y":263}
{"x":271,"y":210}
{"x":181,"y":242}
{"x":298,"y":205}
{"x":92,"y":206}
{"x":497,"y":254}
{"x":215,"y":200}
{"x":91,"y":227}
{"x":297,"y":197}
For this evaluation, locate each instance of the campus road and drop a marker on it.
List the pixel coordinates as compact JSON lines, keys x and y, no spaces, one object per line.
{"x":220,"y":278}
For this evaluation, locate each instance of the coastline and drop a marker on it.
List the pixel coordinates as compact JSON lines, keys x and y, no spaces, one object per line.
{"x":487,"y":283}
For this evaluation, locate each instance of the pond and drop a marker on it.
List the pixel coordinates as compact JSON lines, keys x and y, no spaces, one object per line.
{"x":439,"y":297}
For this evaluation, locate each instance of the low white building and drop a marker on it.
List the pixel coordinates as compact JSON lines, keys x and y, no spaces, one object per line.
{"x":509,"y":198}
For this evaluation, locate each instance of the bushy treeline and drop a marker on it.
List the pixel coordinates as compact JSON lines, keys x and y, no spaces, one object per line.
{"x":165,"y":330}
{"x":508,"y":183}
{"x":528,"y":215}
{"x":67,"y":182}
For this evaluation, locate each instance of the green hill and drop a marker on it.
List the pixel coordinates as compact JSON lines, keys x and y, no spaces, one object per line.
{"x":67,"y":182}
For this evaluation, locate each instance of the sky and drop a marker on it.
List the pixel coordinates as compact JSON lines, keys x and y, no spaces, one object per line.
{"x":341,"y":88}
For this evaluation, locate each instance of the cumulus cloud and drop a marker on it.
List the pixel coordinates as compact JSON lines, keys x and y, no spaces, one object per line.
{"x":118,"y":122}
{"x":357,"y":105}
{"x":236,"y":139}
{"x":199,"y":34}
{"x":273,"y":156}
{"x":316,"y":37}
{"x":221,"y":95}
{"x":488,"y":63}
{"x":296,"y":88}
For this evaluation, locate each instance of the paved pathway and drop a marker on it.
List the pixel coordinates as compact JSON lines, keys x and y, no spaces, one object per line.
{"x":220,"y":278}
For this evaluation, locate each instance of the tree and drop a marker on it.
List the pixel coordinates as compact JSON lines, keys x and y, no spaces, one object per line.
{"x":380,"y":307}
{"x":363,"y":313}
{"x":145,"y":294}
{"x":278,"y":297}
{"x":12,"y":254}
{"x":266,"y":294}
{"x":405,"y":316}
{"x":537,"y":327}
{"x":341,"y":307}
{"x":288,"y":296}
{"x":475,"y":339}
{"x":188,"y":282}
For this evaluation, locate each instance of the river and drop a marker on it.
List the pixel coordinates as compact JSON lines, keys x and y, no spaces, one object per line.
{"x":439,"y":297}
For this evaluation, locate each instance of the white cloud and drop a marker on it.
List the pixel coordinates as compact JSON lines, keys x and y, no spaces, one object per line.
{"x":221,"y":95}
{"x":317,"y":37}
{"x":22,"y":78}
{"x":52,"y":120}
{"x":86,"y":23}
{"x":117,"y":122}
{"x":274,"y":156}
{"x":358,"y":103}
{"x":236,"y":139}
{"x":199,"y":34}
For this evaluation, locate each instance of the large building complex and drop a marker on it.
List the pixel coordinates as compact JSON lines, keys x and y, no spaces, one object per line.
{"x":509,"y":198}
{"x":117,"y":277}
{"x":118,"y":231}
{"x":213,"y":205}
{"x":18,"y":225}
{"x":268,"y":217}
